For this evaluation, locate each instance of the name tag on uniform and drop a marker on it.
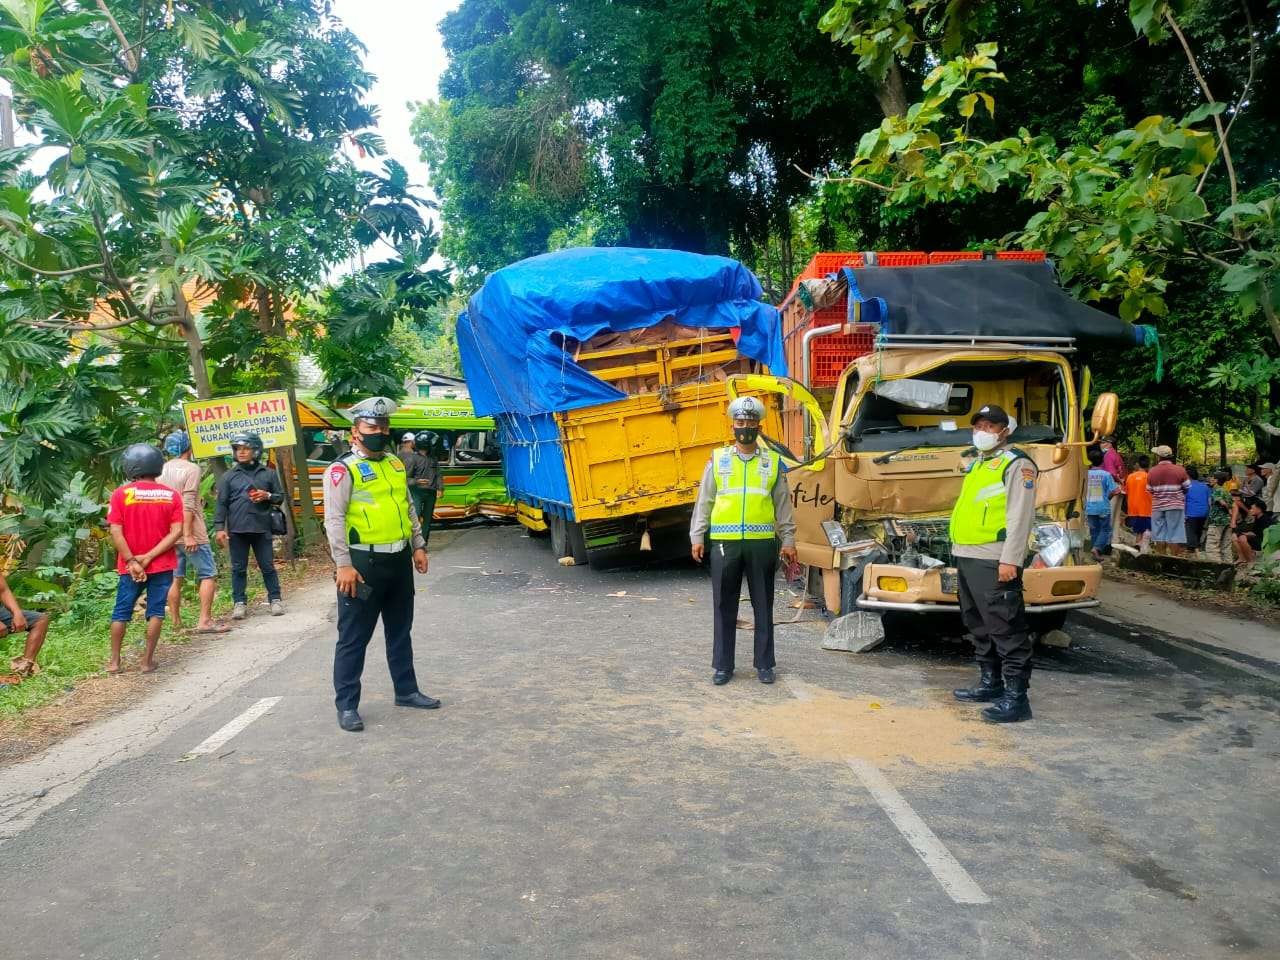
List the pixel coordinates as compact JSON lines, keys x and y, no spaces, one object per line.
{"x":366,"y":471}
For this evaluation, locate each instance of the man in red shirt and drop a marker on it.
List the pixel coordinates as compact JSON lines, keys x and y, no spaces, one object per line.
{"x":146,"y":521}
{"x":1168,"y":484}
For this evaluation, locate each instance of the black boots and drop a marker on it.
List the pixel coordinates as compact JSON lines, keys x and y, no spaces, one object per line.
{"x":1012,"y":706}
{"x":990,"y":686}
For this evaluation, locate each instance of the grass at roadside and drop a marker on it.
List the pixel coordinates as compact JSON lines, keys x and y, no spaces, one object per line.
{"x":79,"y":642}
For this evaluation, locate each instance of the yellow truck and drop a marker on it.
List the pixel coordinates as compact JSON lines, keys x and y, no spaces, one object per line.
{"x":606,"y":370}
{"x":873,"y":512}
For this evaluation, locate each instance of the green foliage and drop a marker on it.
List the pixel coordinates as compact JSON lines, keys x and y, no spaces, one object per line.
{"x":68,"y":521}
{"x":677,"y":123}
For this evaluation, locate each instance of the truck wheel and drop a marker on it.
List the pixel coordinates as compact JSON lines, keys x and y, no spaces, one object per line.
{"x":1042,"y":623}
{"x":559,"y":538}
{"x":899,"y":626}
{"x":576,"y":542}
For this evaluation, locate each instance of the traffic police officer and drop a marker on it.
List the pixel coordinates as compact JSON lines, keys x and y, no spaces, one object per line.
{"x":745,"y":505}
{"x":990,"y":526}
{"x":376,"y":543}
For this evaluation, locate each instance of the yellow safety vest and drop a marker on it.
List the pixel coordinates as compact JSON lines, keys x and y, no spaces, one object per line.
{"x":979,"y":514}
{"x":743,"y":509}
{"x":378,"y":511}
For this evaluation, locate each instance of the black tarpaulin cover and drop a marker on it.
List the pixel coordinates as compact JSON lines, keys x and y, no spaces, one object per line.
{"x":988,"y":298}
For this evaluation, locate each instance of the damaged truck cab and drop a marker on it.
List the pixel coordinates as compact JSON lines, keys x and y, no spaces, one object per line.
{"x":902,"y":451}
{"x":877,"y":475}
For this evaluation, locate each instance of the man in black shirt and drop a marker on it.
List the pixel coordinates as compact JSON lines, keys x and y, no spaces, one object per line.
{"x":1250,"y":533}
{"x":242,"y":518}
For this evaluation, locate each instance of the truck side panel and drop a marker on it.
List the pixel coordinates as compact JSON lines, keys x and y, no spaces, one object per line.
{"x":643,"y":453}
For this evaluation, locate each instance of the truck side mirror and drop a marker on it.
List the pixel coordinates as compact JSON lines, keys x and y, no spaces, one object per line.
{"x":1060,"y":454}
{"x":1106,"y":411}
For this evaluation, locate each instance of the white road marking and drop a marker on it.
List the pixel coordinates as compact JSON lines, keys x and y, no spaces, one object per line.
{"x":797,"y":687}
{"x":223,"y":734}
{"x":954,"y":879}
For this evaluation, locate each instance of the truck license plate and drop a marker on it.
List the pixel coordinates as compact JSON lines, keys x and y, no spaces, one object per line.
{"x":950,"y":580}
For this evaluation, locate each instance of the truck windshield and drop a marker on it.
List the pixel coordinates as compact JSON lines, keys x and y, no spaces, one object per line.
{"x":932,"y":408}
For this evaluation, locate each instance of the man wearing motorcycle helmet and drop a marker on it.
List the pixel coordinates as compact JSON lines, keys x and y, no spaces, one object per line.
{"x":145,"y":518}
{"x":242,"y":518}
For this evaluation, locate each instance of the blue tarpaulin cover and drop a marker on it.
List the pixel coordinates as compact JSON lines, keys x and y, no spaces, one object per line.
{"x":510,"y":336}
{"x":510,"y":341}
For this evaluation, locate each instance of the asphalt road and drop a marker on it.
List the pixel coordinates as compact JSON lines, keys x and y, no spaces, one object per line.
{"x":586,"y":792}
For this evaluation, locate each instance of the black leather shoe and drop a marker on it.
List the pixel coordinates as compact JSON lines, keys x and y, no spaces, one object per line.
{"x":722,"y":677}
{"x":990,"y":687}
{"x":418,"y":699}
{"x":350,"y":721}
{"x":765,"y":675}
{"x":1013,"y":706}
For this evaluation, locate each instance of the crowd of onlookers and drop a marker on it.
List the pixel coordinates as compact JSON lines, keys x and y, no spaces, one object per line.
{"x":1171,"y":508}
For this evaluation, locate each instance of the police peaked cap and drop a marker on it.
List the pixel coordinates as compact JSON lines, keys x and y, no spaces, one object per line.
{"x":376,"y":409}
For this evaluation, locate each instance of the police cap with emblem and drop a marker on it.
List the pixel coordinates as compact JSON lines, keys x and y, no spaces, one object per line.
{"x":993,"y":414}
{"x":377,"y":410}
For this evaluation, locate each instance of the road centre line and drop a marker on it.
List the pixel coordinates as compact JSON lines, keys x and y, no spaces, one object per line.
{"x":225,"y":733}
{"x":955,"y":880}
{"x":946,"y":869}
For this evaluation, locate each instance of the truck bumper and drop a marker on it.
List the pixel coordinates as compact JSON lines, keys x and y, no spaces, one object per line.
{"x":1045,"y":590}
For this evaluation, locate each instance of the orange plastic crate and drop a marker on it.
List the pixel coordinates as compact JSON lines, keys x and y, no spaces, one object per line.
{"x":831,"y":354}
{"x":954,"y":256}
{"x":1028,"y":256}
{"x":825,"y":263}
{"x":902,"y":258}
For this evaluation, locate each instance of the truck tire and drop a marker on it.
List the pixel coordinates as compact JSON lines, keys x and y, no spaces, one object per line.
{"x":559,"y":538}
{"x":576,"y":542}
{"x":1042,"y":623}
{"x":899,"y":627}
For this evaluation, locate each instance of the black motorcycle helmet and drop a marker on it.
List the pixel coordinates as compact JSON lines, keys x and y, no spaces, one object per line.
{"x":141,"y":460}
{"x":250,"y":440}
{"x":425,"y":441}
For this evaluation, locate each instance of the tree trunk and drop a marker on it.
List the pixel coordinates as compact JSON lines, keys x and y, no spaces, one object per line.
{"x":891,"y":92}
{"x":271,"y":323}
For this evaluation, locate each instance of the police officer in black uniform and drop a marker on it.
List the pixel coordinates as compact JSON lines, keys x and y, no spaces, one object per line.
{"x":376,"y":542}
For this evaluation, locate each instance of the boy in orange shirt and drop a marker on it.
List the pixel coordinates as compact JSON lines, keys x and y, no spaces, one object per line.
{"x":1138,"y":504}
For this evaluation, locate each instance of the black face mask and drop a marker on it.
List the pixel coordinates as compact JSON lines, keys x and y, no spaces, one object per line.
{"x":746,"y":435}
{"x":374,"y":442}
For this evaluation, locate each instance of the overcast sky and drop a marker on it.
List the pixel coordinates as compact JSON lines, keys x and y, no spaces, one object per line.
{"x":404,"y":52}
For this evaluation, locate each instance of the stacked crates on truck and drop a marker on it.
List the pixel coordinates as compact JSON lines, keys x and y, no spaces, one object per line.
{"x":606,"y":370}
{"x":835,"y":336}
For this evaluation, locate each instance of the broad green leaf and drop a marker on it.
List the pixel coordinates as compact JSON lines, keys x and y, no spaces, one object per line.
{"x":967,"y":103}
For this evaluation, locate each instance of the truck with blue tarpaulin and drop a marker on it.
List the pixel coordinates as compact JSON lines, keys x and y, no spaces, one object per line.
{"x":607,"y":372}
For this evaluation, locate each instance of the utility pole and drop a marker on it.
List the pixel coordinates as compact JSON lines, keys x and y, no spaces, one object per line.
{"x":6,"y":121}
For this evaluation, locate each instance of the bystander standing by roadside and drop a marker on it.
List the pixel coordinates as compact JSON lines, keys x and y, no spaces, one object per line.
{"x":1197,"y":509}
{"x":1101,"y":490}
{"x":182,"y":474}
{"x":1253,"y":483}
{"x":1167,"y":482}
{"x":242,"y":517}
{"x":146,"y":521}
{"x":1271,"y":490}
{"x":1217,"y":541}
{"x":1138,"y":504}
{"x":1113,"y":463}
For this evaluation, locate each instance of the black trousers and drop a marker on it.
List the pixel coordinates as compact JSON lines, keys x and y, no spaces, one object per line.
{"x":731,"y":560}
{"x":996,"y":616}
{"x":424,"y":502}
{"x":388,"y":578}
{"x":1195,"y":531}
{"x":238,"y":546}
